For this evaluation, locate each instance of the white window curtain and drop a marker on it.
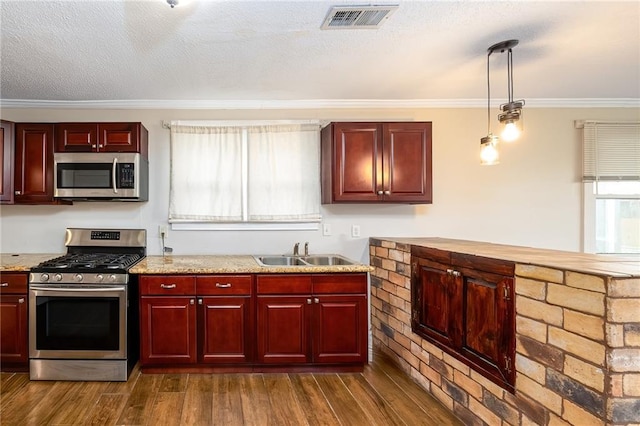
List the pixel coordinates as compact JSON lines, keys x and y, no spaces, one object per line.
{"x":284,"y":173}
{"x":245,"y":173}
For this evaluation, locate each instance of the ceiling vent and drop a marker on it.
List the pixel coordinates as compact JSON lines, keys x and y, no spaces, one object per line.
{"x":353,"y":17}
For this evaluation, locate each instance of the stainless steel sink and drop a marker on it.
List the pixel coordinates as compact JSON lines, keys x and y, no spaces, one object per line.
{"x":315,"y":260}
{"x":322,"y":260}
{"x":279,"y":261}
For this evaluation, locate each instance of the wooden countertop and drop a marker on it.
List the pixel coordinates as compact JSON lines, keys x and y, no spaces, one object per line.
{"x":623,"y":266}
{"x":22,"y":262}
{"x":239,"y":264}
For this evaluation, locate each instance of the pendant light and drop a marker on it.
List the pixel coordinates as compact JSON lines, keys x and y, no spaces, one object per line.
{"x":511,"y":111}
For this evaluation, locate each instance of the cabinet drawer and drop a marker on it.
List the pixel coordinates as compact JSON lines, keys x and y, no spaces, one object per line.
{"x":167,"y":285}
{"x":13,"y":283}
{"x":284,"y":284}
{"x":340,"y":284}
{"x":221,"y":285}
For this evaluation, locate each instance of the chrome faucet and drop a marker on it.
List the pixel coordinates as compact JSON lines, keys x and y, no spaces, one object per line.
{"x":296,"y":248}
{"x":306,"y":248}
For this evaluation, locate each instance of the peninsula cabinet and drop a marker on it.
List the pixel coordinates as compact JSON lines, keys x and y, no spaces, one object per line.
{"x":14,"y":331}
{"x":101,"y":137}
{"x":33,"y":167}
{"x":312,"y":319}
{"x":465,"y":305}
{"x":6,"y":151}
{"x":376,"y":163}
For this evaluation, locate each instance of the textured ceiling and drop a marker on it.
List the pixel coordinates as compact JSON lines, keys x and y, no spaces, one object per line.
{"x":145,"y":53}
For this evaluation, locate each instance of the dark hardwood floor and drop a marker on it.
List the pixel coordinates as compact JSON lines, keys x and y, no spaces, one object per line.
{"x":381,"y":395}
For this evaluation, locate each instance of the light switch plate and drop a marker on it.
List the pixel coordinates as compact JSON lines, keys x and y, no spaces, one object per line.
{"x":355,"y":231}
{"x":326,"y":229}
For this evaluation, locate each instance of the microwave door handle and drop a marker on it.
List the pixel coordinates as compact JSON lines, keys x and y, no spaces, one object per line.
{"x":113,"y":175}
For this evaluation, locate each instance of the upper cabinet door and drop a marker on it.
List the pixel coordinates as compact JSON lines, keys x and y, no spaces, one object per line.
{"x":376,"y":162}
{"x":76,"y":137}
{"x":407,"y":162}
{"x":101,"y":137}
{"x":119,"y":137}
{"x":33,"y":178}
{"x":357,"y":162}
{"x":6,"y":162}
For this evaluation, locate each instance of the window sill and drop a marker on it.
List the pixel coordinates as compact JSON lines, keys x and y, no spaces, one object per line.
{"x":246,"y":226}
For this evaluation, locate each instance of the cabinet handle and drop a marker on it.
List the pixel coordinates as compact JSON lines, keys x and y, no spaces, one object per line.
{"x":192,"y":302}
{"x":4,"y":285}
{"x":21,"y":300}
{"x":456,"y":273}
{"x":227,"y":285}
{"x":380,"y":192}
{"x":168,"y":286}
{"x":18,"y":193}
{"x":387,"y":192}
{"x":100,"y":146}
{"x":93,"y":145}
{"x":308,"y":301}
{"x":199,"y":301}
{"x":449,"y":271}
{"x":316,"y":300}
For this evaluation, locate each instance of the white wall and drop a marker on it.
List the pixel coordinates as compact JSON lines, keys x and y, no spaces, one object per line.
{"x":532,"y":198}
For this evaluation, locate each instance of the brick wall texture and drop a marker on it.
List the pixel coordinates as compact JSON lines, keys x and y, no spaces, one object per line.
{"x":577,"y":347}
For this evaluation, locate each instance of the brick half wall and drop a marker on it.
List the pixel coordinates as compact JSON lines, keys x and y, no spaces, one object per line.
{"x":577,"y":347}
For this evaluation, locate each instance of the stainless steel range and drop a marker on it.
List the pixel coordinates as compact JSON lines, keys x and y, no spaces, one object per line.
{"x":83,"y":307}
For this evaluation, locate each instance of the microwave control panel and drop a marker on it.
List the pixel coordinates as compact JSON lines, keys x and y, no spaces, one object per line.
{"x":126,"y":173}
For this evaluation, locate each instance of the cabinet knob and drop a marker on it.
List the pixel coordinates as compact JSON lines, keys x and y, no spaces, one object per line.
{"x":18,"y":193}
{"x":316,"y":300}
{"x":21,"y":300}
{"x":4,"y":285}
{"x":380,"y":192}
{"x":192,"y":302}
{"x":199,"y":301}
{"x":456,"y":273}
{"x":387,"y":192}
{"x":100,"y":146}
{"x":308,"y":301}
{"x":93,"y":145}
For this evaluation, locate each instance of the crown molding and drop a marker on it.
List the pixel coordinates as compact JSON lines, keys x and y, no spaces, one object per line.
{"x":315,"y":103}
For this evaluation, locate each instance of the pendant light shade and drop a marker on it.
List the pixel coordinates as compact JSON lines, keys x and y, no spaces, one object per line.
{"x":511,"y":113}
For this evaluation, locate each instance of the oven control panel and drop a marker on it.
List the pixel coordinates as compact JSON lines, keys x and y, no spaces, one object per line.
{"x":105,"y":235}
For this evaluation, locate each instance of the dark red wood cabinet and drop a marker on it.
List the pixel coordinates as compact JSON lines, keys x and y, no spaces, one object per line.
{"x":33,"y":167}
{"x":376,"y":162}
{"x":167,"y":320}
{"x":319,"y":319}
{"x":188,"y":319}
{"x":225,"y":319}
{"x":465,"y":305}
{"x":101,"y":137}
{"x":7,"y":129}
{"x":14,"y":350}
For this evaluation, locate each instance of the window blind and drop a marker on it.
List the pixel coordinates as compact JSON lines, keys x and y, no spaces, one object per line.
{"x":611,"y":151}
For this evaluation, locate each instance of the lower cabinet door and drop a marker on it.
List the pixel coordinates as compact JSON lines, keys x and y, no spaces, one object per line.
{"x":225,"y":329}
{"x":340,"y":329}
{"x":168,"y":334}
{"x":13,"y":332}
{"x":283,"y":329}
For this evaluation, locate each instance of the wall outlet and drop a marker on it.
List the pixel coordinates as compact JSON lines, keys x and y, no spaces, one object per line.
{"x":326,"y":229}
{"x":162,"y":230}
{"x":355,"y":231}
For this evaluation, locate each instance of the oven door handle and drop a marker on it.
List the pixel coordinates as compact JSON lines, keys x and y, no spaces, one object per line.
{"x":113,"y":175}
{"x":76,"y":290}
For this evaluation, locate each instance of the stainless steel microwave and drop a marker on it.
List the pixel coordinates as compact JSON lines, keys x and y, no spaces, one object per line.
{"x":101,"y":176}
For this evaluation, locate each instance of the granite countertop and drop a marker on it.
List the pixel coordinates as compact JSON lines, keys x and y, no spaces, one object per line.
{"x":625,"y":266}
{"x":22,"y":262}
{"x":220,"y":264}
